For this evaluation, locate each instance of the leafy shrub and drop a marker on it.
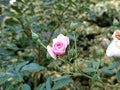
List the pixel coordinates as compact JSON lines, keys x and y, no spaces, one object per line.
{"x":25,"y":63}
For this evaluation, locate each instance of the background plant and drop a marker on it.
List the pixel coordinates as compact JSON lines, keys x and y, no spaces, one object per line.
{"x":24,"y":63}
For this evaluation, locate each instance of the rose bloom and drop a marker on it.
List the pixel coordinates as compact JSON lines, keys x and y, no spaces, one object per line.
{"x":116,"y":34}
{"x":105,"y":41}
{"x":114,"y":48}
{"x":59,"y":46}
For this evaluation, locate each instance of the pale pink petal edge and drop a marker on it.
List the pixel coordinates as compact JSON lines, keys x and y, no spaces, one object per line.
{"x":50,"y":51}
{"x":62,"y":37}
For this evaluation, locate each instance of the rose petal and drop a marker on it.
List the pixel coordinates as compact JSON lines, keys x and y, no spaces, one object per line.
{"x":59,"y":52}
{"x":59,"y":48}
{"x":55,"y":40}
{"x":113,"y":50}
{"x":62,"y":37}
{"x":105,"y":41}
{"x":50,"y":51}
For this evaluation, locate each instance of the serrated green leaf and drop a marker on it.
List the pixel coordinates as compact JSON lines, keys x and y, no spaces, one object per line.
{"x":9,"y":87}
{"x":19,"y":77}
{"x":95,"y":77}
{"x":11,"y":73}
{"x":3,"y":79}
{"x":62,"y":77}
{"x":11,"y":46}
{"x":118,"y":75}
{"x":95,"y":64}
{"x":25,"y":87}
{"x":20,"y":65}
{"x":1,"y":73}
{"x":114,"y":65}
{"x":41,"y":87}
{"x":4,"y":52}
{"x":88,"y":70}
{"x":48,"y":84}
{"x":61,"y":83}
{"x":115,"y":21}
{"x":71,"y":37}
{"x":33,"y":19}
{"x":32,"y":67}
{"x":106,"y":70}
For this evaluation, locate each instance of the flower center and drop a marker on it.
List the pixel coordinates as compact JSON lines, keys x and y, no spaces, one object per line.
{"x":59,"y":45}
{"x":117,"y":34}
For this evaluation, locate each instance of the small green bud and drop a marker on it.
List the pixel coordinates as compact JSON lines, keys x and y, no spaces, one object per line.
{"x":48,"y":56}
{"x":35,"y":36}
{"x":73,"y":26}
{"x":99,"y":52}
{"x":72,"y":53}
{"x":63,"y":31}
{"x":115,"y":22}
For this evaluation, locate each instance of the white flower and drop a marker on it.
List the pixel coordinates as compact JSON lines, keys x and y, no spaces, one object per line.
{"x":12,"y":1}
{"x":113,"y":49}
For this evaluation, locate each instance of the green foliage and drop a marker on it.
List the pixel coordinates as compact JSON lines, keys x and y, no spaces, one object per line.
{"x":48,"y":84}
{"x":118,"y":75}
{"x":60,"y":82}
{"x":32,"y":67}
{"x":28,"y":26}
{"x":25,"y":87}
{"x":57,"y":83}
{"x":114,"y":65}
{"x":41,"y":87}
{"x":89,"y":70}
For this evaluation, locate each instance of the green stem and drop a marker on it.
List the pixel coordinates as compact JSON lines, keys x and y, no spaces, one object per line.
{"x":76,"y":62}
{"x":41,"y":43}
{"x":86,"y":75}
{"x":98,"y":66}
{"x":78,"y":74}
{"x":75,"y":44}
{"x":64,"y":61}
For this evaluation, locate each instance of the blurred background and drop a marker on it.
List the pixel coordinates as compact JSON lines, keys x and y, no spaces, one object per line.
{"x":96,"y":21}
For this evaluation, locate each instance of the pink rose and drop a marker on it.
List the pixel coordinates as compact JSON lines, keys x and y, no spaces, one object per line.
{"x":105,"y":41}
{"x":59,"y":46}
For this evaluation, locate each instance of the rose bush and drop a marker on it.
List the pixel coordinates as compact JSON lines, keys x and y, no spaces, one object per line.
{"x":27,"y":28}
{"x":59,"y":46}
